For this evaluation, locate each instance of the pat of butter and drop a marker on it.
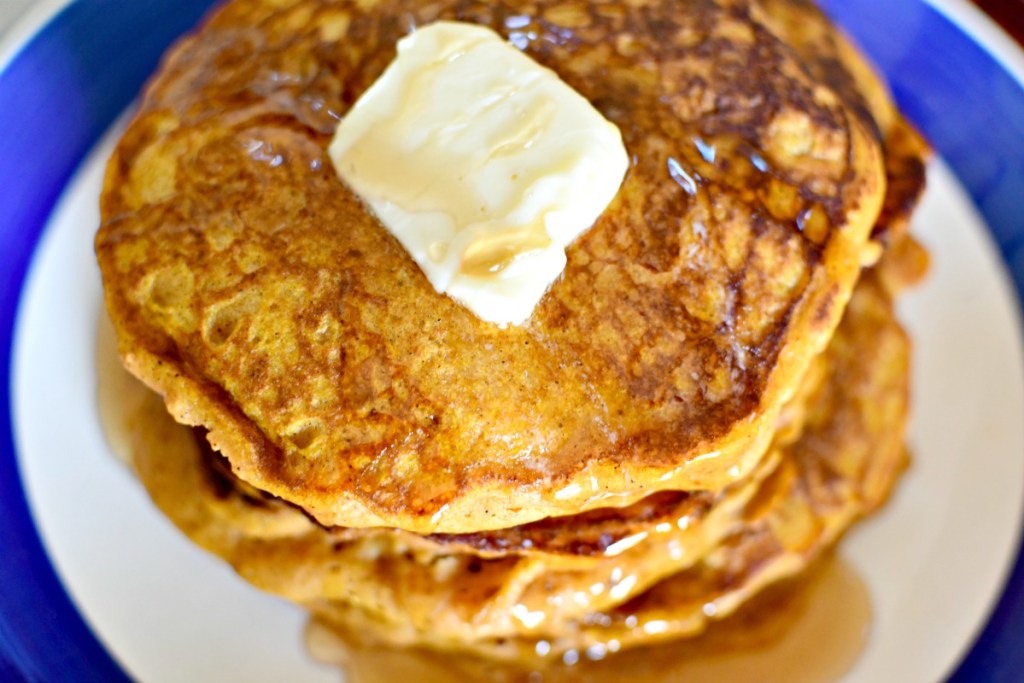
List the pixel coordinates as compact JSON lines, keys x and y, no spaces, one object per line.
{"x":482,"y":163}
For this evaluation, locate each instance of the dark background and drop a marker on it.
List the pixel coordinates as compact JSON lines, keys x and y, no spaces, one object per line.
{"x":1009,"y":14}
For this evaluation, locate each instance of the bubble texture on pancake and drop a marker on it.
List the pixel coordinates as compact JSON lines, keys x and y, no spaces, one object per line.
{"x":254,"y":292}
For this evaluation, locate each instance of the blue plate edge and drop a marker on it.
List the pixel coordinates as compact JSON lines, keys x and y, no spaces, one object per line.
{"x":80,"y":38}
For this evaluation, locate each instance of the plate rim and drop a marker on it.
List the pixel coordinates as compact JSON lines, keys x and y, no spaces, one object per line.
{"x":984,"y":32}
{"x":25,"y":27}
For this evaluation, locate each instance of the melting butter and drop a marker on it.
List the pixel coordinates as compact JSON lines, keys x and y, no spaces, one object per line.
{"x":482,"y":163}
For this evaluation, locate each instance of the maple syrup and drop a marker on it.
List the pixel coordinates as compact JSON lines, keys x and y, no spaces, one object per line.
{"x":808,"y":630}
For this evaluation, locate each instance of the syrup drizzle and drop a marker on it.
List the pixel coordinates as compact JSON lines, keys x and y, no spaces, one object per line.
{"x":810,"y":630}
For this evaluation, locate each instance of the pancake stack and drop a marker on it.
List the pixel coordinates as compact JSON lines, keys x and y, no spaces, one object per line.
{"x":710,"y":395}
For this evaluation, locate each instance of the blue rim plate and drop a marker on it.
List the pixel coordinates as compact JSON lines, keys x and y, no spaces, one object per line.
{"x":69,"y":82}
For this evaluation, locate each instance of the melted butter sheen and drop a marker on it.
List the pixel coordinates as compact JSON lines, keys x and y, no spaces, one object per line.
{"x":482,"y":163}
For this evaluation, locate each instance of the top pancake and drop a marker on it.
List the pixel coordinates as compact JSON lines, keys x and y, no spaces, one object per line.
{"x":258,"y":295}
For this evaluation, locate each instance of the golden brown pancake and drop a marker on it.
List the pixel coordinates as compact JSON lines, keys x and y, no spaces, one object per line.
{"x":257,"y":295}
{"x":679,"y":425}
{"x":841,"y":469}
{"x":410,"y":590}
{"x":579,"y":539}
